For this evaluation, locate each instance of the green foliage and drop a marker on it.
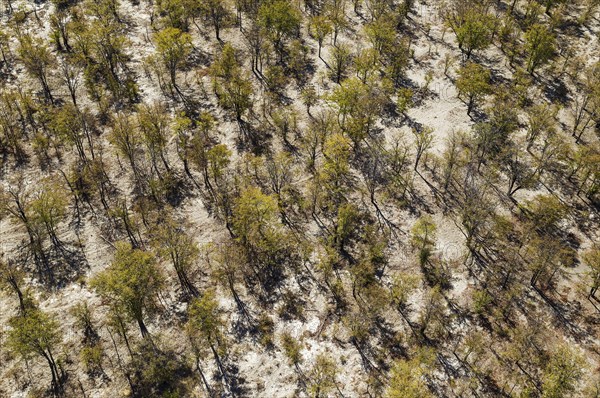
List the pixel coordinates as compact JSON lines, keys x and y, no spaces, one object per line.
{"x":406,"y":379}
{"x":359,"y":106}
{"x":473,"y":84}
{"x":405,"y":100}
{"x":382,"y":35}
{"x":205,"y":322}
{"x":180,"y":248}
{"x":403,"y":285}
{"x":158,"y":373}
{"x":292,"y":348}
{"x":481,"y":299}
{"x":100,"y":46}
{"x":216,"y":12}
{"x":173,"y":47}
{"x":322,"y":376}
{"x":473,"y":27}
{"x":319,"y":28}
{"x":130,"y":283}
{"x":540,"y":46}
{"x":36,"y":333}
{"x":232,"y":86}
{"x":339,"y":62}
{"x":256,"y":222}
{"x":335,"y":171}
{"x":591,"y":258}
{"x":92,"y":357}
{"x":280,"y":19}
{"x":545,"y":212}
{"x":562,"y":374}
{"x":38,"y":61}
{"x":423,"y":238}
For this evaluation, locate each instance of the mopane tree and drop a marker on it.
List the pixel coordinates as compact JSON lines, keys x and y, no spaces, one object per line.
{"x":205,"y":330}
{"x":281,"y":20}
{"x":334,"y":173}
{"x":38,"y":61}
{"x":153,"y":123}
{"x":36,"y":333}
{"x":359,"y":106}
{"x":322,"y":376}
{"x":11,"y":279}
{"x":180,"y":248}
{"x":231,"y":84}
{"x":259,"y":230}
{"x":130,"y":284}
{"x":319,"y":28}
{"x":562,"y":374}
{"x":473,"y":84}
{"x":340,"y":61}
{"x":407,"y":379}
{"x":472,"y":25}
{"x":172,"y":48}
{"x":591,"y":258}
{"x":216,"y":12}
{"x":540,"y":46}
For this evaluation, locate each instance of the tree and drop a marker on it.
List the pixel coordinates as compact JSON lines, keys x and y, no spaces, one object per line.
{"x":551,"y":3}
{"x":540,"y":46}
{"x":130,"y":283}
{"x":11,"y":278}
{"x":336,"y":12}
{"x":71,"y":76}
{"x":423,"y":141}
{"x":473,"y":84}
{"x":433,"y":318}
{"x":292,"y":349}
{"x":548,"y":256}
{"x":281,"y":20}
{"x":217,"y":12}
{"x":340,"y":61}
{"x":359,"y":106}
{"x":472,"y":25}
{"x":92,"y":352}
{"x":520,"y":174}
{"x":74,"y":127}
{"x":173,"y":47}
{"x":126,"y":139}
{"x":205,"y":328}
{"x":591,"y":258}
{"x":15,"y":203}
{"x":309,"y":97}
{"x":423,"y":238}
{"x":406,"y":380}
{"x":545,"y":212}
{"x":562,"y":374}
{"x":180,"y":248}
{"x":37,"y":333}
{"x":153,"y":124}
{"x":322,"y":376}
{"x":382,"y":34}
{"x":232,"y":86}
{"x":256,"y":222}
{"x":335,"y":171}
{"x":102,"y":45}
{"x":38,"y":61}
{"x":403,"y":286}
{"x":319,"y":28}
{"x":541,"y":119}
{"x":48,"y":207}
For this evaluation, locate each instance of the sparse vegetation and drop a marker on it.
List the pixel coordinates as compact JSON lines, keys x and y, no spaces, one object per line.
{"x":315,"y":198}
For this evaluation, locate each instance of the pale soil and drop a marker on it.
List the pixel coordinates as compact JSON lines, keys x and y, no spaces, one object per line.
{"x":266,"y":372}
